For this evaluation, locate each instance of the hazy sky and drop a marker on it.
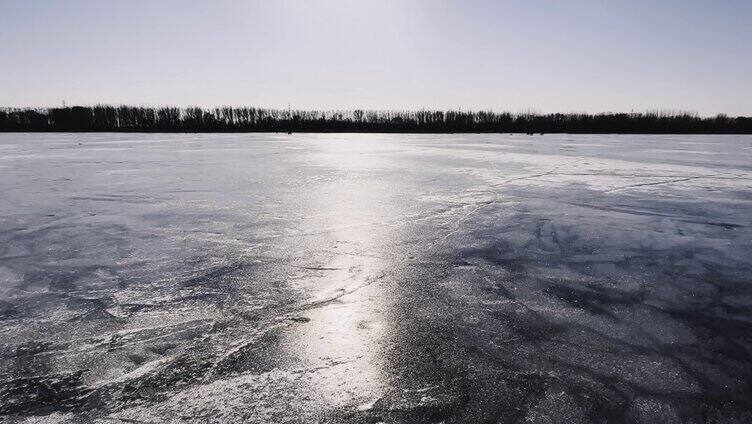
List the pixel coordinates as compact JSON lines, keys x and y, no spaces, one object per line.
{"x":502,"y":55}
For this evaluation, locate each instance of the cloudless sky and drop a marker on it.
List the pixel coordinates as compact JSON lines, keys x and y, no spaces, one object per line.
{"x":552,"y":56}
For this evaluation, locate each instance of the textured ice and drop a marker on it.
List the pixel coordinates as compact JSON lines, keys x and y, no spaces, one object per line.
{"x":369,"y":278}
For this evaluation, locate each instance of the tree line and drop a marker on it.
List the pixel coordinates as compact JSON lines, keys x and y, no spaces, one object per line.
{"x":252,"y":119}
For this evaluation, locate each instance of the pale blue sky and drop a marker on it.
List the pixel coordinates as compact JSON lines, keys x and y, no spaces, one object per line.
{"x":503,"y":55}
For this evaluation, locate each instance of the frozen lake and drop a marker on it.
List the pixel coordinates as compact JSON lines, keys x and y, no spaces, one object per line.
{"x":368,"y":278}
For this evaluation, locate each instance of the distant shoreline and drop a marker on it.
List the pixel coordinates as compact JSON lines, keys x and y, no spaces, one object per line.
{"x":127,"y":119}
{"x":357,"y":132}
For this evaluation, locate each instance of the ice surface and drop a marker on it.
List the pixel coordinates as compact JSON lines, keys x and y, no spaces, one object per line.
{"x":367,"y":278}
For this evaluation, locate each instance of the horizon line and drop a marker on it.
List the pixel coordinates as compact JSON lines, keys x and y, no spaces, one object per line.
{"x":532,"y":111}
